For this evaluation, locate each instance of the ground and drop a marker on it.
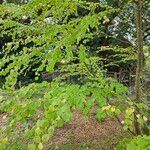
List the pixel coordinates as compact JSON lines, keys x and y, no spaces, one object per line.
{"x":81,"y":134}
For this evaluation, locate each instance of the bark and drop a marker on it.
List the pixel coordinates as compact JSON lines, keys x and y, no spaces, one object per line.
{"x":140,"y":58}
{"x":140,"y":55}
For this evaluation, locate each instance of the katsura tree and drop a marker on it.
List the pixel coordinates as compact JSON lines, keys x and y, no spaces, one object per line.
{"x":106,"y":40}
{"x":48,"y":36}
{"x":43,"y":35}
{"x":25,"y":34}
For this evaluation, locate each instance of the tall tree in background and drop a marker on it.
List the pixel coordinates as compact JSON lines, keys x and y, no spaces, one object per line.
{"x":140,"y":60}
{"x":140,"y":54}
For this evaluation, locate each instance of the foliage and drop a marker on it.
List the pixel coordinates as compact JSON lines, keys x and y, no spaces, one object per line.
{"x":14,"y":145}
{"x":25,"y":32}
{"x":54,"y":35}
{"x":138,"y":143}
{"x":40,"y":108}
{"x":142,"y":116}
{"x":146,"y":77}
{"x":41,"y":34}
{"x":114,"y":57}
{"x":122,"y":144}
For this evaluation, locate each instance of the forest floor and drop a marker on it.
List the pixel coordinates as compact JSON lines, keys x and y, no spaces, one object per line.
{"x":80,"y":134}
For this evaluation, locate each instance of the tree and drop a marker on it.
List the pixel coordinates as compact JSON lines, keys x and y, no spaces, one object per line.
{"x":140,"y":58}
{"x":140,"y":63}
{"x":40,"y":36}
{"x":119,"y":51}
{"x":58,"y":35}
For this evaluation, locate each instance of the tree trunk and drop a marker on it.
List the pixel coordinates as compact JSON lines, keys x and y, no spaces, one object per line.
{"x":140,"y":56}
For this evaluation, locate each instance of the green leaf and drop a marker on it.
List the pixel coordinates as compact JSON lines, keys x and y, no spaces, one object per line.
{"x":67,"y":117}
{"x":51,"y":131}
{"x":45,"y":137}
{"x":40,"y":146}
{"x":37,"y":139}
{"x":38,"y":131}
{"x":82,"y":53}
{"x":31,"y":147}
{"x":100,"y":114}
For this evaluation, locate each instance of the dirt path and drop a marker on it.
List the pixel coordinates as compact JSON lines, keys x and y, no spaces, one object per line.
{"x":81,"y":130}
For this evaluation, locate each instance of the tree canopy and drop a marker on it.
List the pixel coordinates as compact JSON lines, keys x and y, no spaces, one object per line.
{"x":77,"y":42}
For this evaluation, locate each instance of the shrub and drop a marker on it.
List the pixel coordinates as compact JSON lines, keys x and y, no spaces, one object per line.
{"x":137,"y":143}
